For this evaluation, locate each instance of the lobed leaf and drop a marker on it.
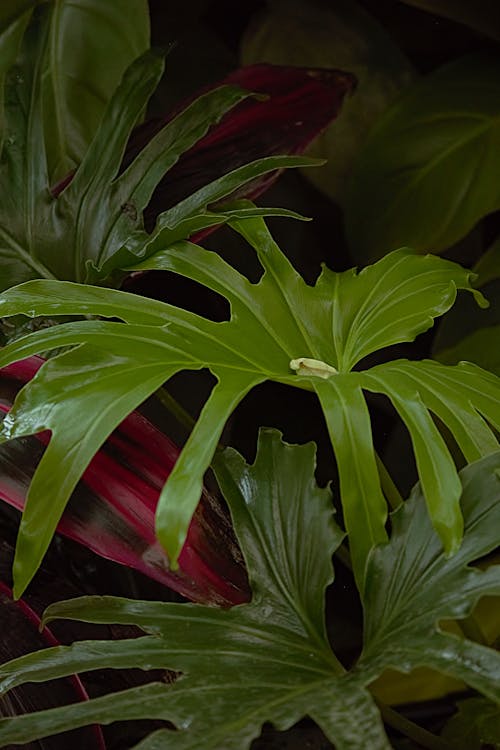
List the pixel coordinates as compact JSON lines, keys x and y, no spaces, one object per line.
{"x":270,"y":660}
{"x":411,"y":586}
{"x":273,"y":322}
{"x":265,"y":661}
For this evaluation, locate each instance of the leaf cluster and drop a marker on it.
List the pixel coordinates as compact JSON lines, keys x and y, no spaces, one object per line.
{"x":270,"y":660}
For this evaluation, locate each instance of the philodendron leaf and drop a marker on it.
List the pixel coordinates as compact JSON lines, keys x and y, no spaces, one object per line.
{"x":280,"y":329}
{"x":411,"y":586}
{"x":276,"y":326}
{"x":265,"y":661}
{"x":270,"y":660}
{"x":429,"y":170}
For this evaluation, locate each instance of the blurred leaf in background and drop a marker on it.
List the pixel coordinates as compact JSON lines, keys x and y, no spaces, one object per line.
{"x":429,"y":171}
{"x":333,"y":35}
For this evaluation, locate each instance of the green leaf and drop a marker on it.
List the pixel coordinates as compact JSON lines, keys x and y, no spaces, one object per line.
{"x":428,"y":172}
{"x":270,"y":660}
{"x":89,"y":47}
{"x":71,"y":59}
{"x":480,"y":347}
{"x":94,"y":225}
{"x":265,"y":661}
{"x":476,"y":723}
{"x":488,"y":266}
{"x":411,"y":586}
{"x":14,"y":17}
{"x":336,"y":35}
{"x":278,"y":322}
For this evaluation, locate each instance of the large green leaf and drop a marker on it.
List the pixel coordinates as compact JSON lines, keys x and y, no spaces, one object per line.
{"x":335,"y":35}
{"x":411,"y":586}
{"x":270,"y":660}
{"x":429,"y":170}
{"x":278,"y":327}
{"x":89,"y":47}
{"x":266,"y":661}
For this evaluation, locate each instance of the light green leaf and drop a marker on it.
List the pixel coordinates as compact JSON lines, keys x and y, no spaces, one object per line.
{"x":338,"y":35}
{"x":411,"y":586}
{"x":429,"y":170}
{"x":265,"y":661}
{"x":273,"y":323}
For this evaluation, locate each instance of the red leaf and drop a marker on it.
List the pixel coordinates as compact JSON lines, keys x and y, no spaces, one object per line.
{"x":113,"y":507}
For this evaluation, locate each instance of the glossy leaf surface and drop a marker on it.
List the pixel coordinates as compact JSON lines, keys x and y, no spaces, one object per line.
{"x":269,"y":660}
{"x":339,"y":321}
{"x":411,"y":586}
{"x":429,"y":170}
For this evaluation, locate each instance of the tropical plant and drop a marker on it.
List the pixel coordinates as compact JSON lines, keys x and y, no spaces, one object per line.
{"x":353,"y":358}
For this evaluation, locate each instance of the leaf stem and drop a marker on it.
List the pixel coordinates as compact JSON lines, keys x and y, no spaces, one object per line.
{"x":174,"y":407}
{"x":389,"y":488}
{"x":418,"y":734}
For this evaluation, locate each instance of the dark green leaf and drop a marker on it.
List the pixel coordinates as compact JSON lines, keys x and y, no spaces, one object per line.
{"x":411,"y":586}
{"x":481,"y":347}
{"x":488,"y":267}
{"x":429,"y":170}
{"x":89,"y":47}
{"x":476,"y":723}
{"x":335,"y":35}
{"x":275,"y":326}
{"x":265,"y":661}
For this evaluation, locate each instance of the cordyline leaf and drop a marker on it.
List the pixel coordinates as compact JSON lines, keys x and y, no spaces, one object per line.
{"x":112,"y":509}
{"x":265,"y":661}
{"x":276,"y":323}
{"x":297,"y":105}
{"x":428,"y":172}
{"x":22,"y":632}
{"x":91,"y":222}
{"x":411,"y":586}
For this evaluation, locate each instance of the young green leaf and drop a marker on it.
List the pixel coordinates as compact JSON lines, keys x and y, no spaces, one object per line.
{"x":265,"y":661}
{"x":429,"y":169}
{"x":411,"y":586}
{"x":275,"y":322}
